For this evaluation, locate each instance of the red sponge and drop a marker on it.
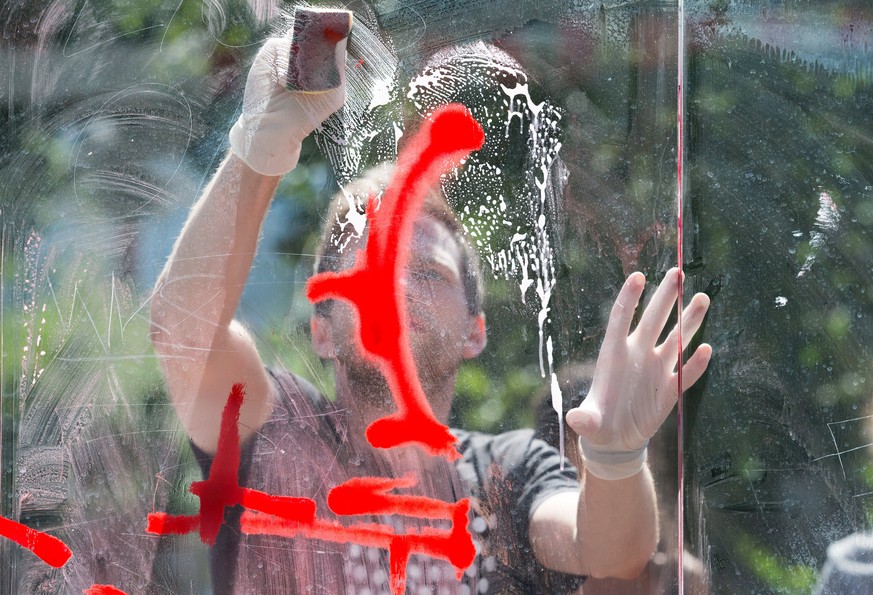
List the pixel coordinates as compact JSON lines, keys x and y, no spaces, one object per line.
{"x":312,"y":65}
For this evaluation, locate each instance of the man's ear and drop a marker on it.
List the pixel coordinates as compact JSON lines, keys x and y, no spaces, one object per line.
{"x":322,"y":337}
{"x":476,"y":337}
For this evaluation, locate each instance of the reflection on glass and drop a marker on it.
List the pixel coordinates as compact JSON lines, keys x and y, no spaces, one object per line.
{"x":779,"y":161}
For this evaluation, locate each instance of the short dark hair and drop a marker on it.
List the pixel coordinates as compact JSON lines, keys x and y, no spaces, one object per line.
{"x":369,"y":186}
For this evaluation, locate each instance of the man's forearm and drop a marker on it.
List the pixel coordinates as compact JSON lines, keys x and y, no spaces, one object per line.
{"x":607,"y":529}
{"x":199,"y":289}
{"x":617,"y":524}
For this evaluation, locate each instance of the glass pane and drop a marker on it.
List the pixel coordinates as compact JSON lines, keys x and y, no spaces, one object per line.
{"x":779,"y":190}
{"x":117,"y":117}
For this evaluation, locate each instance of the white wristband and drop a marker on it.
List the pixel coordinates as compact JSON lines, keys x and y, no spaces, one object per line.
{"x":612,"y":465}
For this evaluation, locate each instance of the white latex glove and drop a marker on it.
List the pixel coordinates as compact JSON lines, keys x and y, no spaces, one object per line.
{"x":635,"y":386}
{"x":274,"y":121}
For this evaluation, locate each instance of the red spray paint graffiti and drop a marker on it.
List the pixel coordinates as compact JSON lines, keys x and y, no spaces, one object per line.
{"x":373,"y":284}
{"x":373,"y":287}
{"x":49,"y":549}
{"x":104,"y":590}
{"x":283,"y":516}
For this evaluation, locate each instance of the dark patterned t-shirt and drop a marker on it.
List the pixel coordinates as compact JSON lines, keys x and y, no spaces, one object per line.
{"x":302,"y":451}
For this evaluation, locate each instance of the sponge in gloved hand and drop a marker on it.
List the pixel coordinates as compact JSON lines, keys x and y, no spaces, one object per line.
{"x":312,"y":66}
{"x":274,"y":121}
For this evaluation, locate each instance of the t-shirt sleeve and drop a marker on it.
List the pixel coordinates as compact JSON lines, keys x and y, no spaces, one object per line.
{"x":223,"y":553}
{"x":516,"y":473}
{"x":534,"y":474}
{"x":538,"y":474}
{"x":204,"y":460}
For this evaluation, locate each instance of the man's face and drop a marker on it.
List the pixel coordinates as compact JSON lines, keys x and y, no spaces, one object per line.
{"x":442,"y":333}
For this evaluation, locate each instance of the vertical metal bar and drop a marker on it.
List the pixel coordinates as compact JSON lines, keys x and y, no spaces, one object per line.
{"x":680,"y":156}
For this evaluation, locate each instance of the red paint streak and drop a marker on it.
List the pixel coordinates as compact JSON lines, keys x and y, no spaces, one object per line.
{"x":161,"y":523}
{"x":368,"y":495}
{"x":373,"y":285}
{"x":334,"y":36}
{"x":47,"y":548}
{"x":284,"y":516}
{"x":454,"y":545}
{"x":103,"y":590}
{"x":359,"y":63}
{"x":222,"y":488}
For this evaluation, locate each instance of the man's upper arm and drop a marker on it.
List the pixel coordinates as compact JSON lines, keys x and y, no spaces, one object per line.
{"x":544,"y":496}
{"x":552,"y":532}
{"x":199,"y":384}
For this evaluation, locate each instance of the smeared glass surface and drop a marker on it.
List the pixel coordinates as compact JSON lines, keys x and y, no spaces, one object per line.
{"x":495,"y":202}
{"x":779,"y":154}
{"x":115,"y":114}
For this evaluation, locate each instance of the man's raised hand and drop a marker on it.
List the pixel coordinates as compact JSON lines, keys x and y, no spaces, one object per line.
{"x":635,"y":383}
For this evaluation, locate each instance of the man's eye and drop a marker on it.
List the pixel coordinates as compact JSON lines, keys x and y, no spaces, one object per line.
{"x":433,"y":275}
{"x":426,"y":275}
